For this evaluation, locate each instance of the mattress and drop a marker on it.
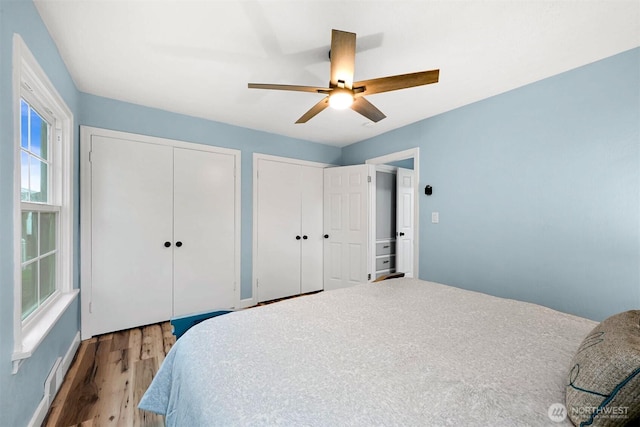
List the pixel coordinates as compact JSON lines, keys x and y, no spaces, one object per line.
{"x":401,"y":352}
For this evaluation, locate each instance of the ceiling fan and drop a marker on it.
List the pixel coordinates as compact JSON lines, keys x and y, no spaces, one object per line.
{"x":343,"y":92}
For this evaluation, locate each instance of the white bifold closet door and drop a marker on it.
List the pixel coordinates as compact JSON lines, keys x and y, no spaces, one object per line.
{"x":311,"y":198}
{"x":204,"y":196}
{"x":289,"y":229}
{"x":132,"y":218}
{"x":163,"y":233}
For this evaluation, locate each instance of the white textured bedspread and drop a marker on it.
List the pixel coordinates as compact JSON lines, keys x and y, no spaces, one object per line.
{"x":401,"y":352}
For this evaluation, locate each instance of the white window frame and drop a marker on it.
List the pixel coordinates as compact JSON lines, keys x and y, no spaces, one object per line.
{"x":32,"y":84}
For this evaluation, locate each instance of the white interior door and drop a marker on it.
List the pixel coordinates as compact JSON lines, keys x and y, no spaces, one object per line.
{"x":404,"y":221}
{"x":312,"y":195}
{"x":346,"y":222}
{"x":131,"y":211}
{"x":204,"y":231}
{"x":279,"y":229}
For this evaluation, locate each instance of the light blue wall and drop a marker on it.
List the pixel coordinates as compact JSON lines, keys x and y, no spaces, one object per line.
{"x":538,"y":190}
{"x":21,"y":393}
{"x":116,"y":115}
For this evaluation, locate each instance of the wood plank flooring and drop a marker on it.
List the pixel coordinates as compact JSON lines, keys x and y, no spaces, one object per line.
{"x":108,"y":377}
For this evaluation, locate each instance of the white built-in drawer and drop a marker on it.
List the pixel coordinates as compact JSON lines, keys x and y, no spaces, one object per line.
{"x":385,"y":248}
{"x":385,"y":262}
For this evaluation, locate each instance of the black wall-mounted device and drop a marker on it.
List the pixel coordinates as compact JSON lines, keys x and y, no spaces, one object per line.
{"x":428,"y":190}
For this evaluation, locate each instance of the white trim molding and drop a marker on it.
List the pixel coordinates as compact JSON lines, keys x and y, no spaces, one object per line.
{"x":31,"y":83}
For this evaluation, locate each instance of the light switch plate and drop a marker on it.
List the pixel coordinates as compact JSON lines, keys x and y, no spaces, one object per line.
{"x":435,"y":217}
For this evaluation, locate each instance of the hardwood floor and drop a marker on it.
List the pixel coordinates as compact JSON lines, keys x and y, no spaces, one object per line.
{"x":108,"y":377}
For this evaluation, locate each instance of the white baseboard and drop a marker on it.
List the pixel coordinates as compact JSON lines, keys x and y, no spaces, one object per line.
{"x":53,"y":382}
{"x":68,"y":357}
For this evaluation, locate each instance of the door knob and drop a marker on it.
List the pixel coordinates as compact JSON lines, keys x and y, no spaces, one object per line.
{"x":305,"y":237}
{"x":178,"y":244}
{"x":167,"y":244}
{"x":401,"y":233}
{"x":326,"y":236}
{"x":297,"y":237}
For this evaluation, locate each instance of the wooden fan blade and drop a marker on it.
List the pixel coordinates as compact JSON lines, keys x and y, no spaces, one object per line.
{"x":402,"y":81}
{"x":367,"y":109}
{"x":324,"y":103}
{"x":289,"y":87}
{"x":343,"y":57}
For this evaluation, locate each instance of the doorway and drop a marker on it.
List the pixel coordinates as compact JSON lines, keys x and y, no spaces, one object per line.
{"x":396,"y":248}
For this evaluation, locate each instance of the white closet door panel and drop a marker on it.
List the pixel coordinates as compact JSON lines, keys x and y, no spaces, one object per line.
{"x":131,"y":209}
{"x":204,"y":224}
{"x":333,"y":201}
{"x":346,"y":195}
{"x":404,"y":221}
{"x":278,"y":225}
{"x":312,"y":226}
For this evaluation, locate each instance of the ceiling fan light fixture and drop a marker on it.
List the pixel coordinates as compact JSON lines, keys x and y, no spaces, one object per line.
{"x":340,"y":99}
{"x":343,"y":92}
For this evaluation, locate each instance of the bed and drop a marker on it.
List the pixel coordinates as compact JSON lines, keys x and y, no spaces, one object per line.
{"x":401,"y":352}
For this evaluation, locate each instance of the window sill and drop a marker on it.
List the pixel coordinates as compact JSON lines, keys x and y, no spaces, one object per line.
{"x":34,"y":333}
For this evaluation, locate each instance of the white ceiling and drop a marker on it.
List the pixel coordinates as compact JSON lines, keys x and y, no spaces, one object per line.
{"x":196,"y":57}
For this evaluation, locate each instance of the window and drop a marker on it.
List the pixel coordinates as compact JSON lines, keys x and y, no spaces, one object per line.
{"x":39,"y":222}
{"x":43,"y":219}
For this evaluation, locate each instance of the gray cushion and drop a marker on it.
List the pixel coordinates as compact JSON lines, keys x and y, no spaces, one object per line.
{"x":604,"y":379}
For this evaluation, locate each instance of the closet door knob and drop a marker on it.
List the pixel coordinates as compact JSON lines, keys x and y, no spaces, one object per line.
{"x":178,"y":244}
{"x":167,"y":244}
{"x":305,"y":237}
{"x":401,"y":233}
{"x":297,"y":237}
{"x":326,"y":236}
